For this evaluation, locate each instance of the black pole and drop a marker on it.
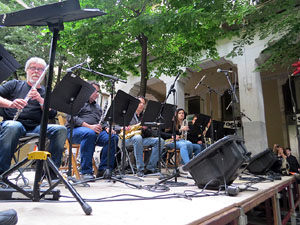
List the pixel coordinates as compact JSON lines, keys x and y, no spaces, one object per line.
{"x":108,"y":172}
{"x":71,"y":140}
{"x":43,"y":128}
{"x":211,"y":118}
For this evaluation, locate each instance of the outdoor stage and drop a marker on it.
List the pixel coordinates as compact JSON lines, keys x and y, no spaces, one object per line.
{"x":177,"y":207}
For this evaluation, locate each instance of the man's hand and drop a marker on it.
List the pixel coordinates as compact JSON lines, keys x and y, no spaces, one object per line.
{"x":35,"y":95}
{"x":96,"y":127}
{"x":18,"y":103}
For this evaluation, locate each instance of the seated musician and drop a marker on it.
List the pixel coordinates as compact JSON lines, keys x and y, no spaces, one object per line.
{"x":12,"y":97}
{"x":138,"y":141}
{"x":195,"y":138}
{"x":88,"y":132}
{"x":185,"y":146}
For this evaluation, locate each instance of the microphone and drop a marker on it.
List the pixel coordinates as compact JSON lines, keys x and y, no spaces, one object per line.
{"x":75,"y":67}
{"x":225,"y":71}
{"x":200,"y":82}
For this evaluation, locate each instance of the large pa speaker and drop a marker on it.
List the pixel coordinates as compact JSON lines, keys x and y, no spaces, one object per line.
{"x":219,"y":163}
{"x":262,"y":162}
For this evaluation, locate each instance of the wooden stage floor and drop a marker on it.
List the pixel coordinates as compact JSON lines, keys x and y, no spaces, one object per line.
{"x":117,"y":203}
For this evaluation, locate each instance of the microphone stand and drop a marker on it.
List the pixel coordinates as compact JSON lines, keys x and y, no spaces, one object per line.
{"x":294,"y":106}
{"x":210,"y":90}
{"x":234,"y":100}
{"x":108,"y":173}
{"x":176,"y":170}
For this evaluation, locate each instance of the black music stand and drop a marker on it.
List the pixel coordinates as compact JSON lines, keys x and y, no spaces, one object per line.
{"x":53,"y":16}
{"x":8,"y":64}
{"x":218,"y":130}
{"x":121,"y":112}
{"x":69,"y":96}
{"x":197,"y":129}
{"x":158,"y":115}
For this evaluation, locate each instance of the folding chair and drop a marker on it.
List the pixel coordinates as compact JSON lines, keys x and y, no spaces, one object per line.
{"x":74,"y":157}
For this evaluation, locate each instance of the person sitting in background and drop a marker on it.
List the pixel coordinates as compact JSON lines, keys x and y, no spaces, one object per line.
{"x":12,"y":98}
{"x":281,"y":165}
{"x":185,"y":146}
{"x":138,"y":141}
{"x":88,"y":133}
{"x":196,"y":139}
{"x":293,"y":162}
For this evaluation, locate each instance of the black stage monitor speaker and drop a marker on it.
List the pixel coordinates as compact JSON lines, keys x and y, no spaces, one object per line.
{"x":219,"y":163}
{"x":262,"y":162}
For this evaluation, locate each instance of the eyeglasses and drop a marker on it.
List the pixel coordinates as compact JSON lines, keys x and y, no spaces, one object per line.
{"x":36,"y":69}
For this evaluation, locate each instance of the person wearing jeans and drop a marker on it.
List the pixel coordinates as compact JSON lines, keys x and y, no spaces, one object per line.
{"x":88,"y":133}
{"x":138,"y":141}
{"x":12,"y":97}
{"x":185,"y":146}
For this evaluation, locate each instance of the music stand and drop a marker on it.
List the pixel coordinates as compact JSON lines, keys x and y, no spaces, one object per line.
{"x":218,"y":130}
{"x":158,"y":115}
{"x":69,"y":97}
{"x":200,"y":124}
{"x":121,"y":112}
{"x":8,"y":64}
{"x":53,"y":16}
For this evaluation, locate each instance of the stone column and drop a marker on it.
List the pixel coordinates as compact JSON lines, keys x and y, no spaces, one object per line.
{"x":252,"y":104}
{"x":179,"y":94}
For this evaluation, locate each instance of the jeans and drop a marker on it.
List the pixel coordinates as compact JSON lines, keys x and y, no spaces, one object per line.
{"x":197,"y":148}
{"x":186,"y":150}
{"x":11,"y":131}
{"x":86,"y":137}
{"x":138,"y":143}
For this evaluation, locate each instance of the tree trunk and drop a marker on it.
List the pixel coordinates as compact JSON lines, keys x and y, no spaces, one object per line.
{"x":60,"y":65}
{"x":144,"y":70}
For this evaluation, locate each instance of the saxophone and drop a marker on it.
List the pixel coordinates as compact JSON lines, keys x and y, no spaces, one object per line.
{"x":184,"y":132}
{"x":134,"y":130}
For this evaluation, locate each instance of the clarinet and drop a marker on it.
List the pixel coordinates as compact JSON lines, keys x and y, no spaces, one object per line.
{"x":102,"y":118}
{"x":32,"y":87}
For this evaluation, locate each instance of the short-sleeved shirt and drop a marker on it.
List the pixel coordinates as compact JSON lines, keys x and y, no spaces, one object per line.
{"x":31,"y":115}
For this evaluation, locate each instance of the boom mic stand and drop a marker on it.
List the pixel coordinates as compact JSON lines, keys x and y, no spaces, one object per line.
{"x":234,"y":100}
{"x":176,"y":170}
{"x":110,"y":118}
{"x":210,"y":90}
{"x":53,"y":16}
{"x":161,"y":113}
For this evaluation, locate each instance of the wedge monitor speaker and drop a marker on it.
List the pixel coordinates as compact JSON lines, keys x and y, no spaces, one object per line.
{"x":262,"y":162}
{"x":219,"y":163}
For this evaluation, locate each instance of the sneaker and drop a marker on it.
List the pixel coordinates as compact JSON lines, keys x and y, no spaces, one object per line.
{"x":183,"y":172}
{"x":140,"y":173}
{"x":88,"y":177}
